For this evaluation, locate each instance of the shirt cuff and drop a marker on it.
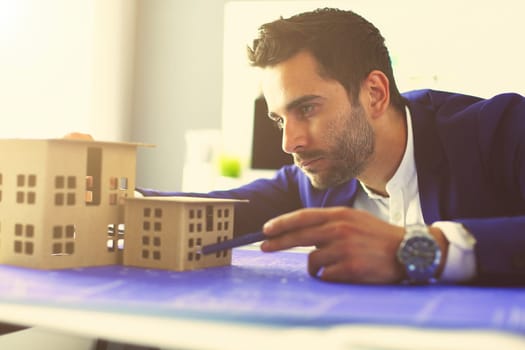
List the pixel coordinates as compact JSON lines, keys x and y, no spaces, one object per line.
{"x":461,"y":259}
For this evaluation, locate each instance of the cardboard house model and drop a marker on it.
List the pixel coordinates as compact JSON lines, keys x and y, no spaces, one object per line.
{"x":62,"y":205}
{"x":168,"y":232}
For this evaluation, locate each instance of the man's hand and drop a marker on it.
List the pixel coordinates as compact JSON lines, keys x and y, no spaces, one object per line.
{"x":352,"y":245}
{"x":78,"y":136}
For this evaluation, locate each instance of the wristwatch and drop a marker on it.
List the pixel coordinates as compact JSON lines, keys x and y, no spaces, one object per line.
{"x":420,"y":254}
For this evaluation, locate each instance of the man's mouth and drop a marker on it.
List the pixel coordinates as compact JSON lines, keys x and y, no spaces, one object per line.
{"x":308,"y":164}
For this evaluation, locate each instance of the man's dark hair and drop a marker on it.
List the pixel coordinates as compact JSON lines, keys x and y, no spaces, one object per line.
{"x":346,"y":46}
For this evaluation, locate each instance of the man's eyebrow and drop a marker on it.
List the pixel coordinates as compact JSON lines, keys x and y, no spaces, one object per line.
{"x":294,"y":104}
{"x":299,"y":101}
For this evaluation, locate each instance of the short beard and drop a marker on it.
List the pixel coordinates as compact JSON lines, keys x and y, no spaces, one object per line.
{"x":352,"y":147}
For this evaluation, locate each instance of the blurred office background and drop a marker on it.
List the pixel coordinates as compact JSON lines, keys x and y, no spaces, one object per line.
{"x":160,"y":71}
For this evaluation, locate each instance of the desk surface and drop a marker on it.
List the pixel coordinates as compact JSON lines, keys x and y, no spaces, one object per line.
{"x":267,"y":290}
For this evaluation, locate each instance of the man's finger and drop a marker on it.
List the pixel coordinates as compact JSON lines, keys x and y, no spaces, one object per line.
{"x":300,"y":218}
{"x":78,"y":136}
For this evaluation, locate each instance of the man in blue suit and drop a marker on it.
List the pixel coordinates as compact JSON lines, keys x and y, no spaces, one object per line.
{"x":387,"y":187}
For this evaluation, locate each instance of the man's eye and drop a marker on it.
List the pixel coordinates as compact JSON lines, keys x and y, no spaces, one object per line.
{"x":306,"y":109}
{"x":279,"y":122}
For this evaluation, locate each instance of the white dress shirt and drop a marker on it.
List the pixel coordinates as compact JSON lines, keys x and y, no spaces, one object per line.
{"x":402,"y":207}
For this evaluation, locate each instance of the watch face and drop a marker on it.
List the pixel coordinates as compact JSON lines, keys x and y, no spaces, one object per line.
{"x":419,"y":254}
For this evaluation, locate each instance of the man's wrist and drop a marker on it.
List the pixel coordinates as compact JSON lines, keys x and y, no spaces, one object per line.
{"x":460,"y":262}
{"x":443,"y":244}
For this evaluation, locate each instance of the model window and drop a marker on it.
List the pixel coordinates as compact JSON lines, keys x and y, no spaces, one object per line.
{"x":157,"y":226}
{"x":123,"y":183}
{"x":93,"y":174}
{"x":65,"y":191}
{"x":71,"y":182}
{"x":25,"y":235}
{"x":59,"y":182}
{"x":209,"y":218}
{"x":31,"y":181}
{"x":63,"y":240}
{"x":115,"y":237}
{"x":113,"y":183}
{"x":25,"y":185}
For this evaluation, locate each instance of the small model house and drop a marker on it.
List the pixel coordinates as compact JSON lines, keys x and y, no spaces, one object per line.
{"x":69,"y":203}
{"x":61,"y":201}
{"x":168,"y":232}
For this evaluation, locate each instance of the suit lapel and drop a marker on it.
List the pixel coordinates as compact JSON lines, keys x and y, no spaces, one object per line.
{"x":429,"y":159}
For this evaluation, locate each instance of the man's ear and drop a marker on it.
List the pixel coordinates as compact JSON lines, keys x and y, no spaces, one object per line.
{"x":376,"y":93}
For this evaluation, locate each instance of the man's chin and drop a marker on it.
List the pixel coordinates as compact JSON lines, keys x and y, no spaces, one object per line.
{"x":322,"y":183}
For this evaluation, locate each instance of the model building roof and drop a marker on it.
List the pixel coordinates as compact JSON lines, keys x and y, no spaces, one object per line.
{"x":62,"y":140}
{"x":181,"y":199}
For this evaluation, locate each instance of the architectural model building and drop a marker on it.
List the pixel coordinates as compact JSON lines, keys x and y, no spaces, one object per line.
{"x":62,"y":201}
{"x":168,"y":232}
{"x":63,"y":204}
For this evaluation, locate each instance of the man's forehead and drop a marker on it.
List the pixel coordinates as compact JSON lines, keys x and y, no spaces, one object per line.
{"x":283,"y":94}
{"x":290,"y":80}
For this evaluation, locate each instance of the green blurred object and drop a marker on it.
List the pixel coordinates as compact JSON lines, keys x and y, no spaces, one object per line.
{"x":230,"y":166}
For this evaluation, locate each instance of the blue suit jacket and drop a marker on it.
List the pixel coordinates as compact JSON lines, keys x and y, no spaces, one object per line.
{"x":470,"y":160}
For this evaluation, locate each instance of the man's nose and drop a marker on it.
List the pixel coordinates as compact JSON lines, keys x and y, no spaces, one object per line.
{"x":294,"y":136}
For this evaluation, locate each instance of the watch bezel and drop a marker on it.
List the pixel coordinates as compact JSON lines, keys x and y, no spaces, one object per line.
{"x":419,"y":253}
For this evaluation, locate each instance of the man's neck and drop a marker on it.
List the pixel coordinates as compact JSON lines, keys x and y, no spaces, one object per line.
{"x":391,"y":140}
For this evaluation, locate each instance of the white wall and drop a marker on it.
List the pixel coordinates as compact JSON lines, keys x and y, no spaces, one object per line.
{"x":66,"y":65}
{"x":72,"y":65}
{"x":178,"y":82}
{"x":113,"y":68}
